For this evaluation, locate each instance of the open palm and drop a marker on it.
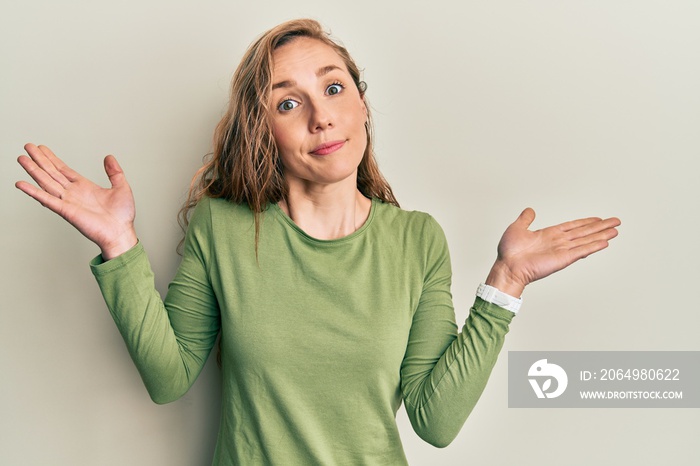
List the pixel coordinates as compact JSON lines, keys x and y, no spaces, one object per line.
{"x":526,"y":256}
{"x":104,"y":215}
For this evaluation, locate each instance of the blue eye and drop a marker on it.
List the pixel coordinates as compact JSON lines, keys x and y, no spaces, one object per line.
{"x":287,"y":105}
{"x":334,"y":89}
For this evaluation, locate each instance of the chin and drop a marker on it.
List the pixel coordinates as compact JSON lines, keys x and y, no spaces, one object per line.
{"x":332,"y":175}
{"x":334,"y":178}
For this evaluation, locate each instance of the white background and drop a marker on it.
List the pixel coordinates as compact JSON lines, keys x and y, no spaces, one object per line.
{"x":575,"y":108}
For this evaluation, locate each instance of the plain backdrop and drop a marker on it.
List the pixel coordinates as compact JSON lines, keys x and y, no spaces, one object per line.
{"x":575,"y":108}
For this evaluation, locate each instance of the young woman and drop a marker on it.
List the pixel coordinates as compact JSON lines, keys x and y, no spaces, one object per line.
{"x":333,"y":304}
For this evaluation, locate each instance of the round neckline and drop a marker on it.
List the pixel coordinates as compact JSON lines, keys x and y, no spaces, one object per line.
{"x":286,"y":220}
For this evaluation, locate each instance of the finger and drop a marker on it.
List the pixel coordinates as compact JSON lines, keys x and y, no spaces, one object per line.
{"x":593,"y":228}
{"x":587,"y":249}
{"x":604,"y":235}
{"x":573,"y":224}
{"x":41,"y":156}
{"x":47,"y":200}
{"x":68,"y":172}
{"x":38,"y":174}
{"x":114,"y":172}
{"x":525,"y":218}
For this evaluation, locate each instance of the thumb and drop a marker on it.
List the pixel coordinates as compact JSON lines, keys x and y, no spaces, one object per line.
{"x":526,"y":218}
{"x":114,"y":171}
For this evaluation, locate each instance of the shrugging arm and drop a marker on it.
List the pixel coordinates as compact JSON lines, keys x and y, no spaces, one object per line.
{"x":169,"y":341}
{"x":444,"y":373}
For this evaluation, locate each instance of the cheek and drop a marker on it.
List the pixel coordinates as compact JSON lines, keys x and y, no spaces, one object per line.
{"x":286,"y":146}
{"x":283,"y":137}
{"x":361,"y":115}
{"x":359,"y":123}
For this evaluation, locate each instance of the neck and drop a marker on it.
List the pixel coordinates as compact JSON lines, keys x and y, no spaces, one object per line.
{"x":327,"y":212}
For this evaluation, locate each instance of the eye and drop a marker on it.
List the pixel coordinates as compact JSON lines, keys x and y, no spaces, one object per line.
{"x":334,"y":89}
{"x":287,"y":105}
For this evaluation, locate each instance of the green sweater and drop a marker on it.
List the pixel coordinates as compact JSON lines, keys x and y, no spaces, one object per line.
{"x":321,"y":339}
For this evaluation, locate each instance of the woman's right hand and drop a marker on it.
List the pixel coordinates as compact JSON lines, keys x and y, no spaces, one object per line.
{"x":104,"y":215}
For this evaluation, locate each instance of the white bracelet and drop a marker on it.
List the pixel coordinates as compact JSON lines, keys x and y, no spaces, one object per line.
{"x":494,"y":295}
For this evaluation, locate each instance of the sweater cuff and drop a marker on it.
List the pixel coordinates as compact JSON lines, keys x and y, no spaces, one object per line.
{"x":484,"y":307}
{"x":99,"y":266}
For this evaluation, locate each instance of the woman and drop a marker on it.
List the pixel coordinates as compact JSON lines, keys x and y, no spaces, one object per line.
{"x":333,"y":304}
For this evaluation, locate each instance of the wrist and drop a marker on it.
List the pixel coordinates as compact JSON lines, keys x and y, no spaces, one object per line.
{"x":119,"y":246}
{"x":502,"y":278}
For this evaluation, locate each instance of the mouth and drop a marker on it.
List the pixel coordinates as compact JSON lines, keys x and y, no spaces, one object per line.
{"x":327,"y":148}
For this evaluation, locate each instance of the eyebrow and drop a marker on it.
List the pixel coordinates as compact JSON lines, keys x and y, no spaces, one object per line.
{"x":320,"y":72}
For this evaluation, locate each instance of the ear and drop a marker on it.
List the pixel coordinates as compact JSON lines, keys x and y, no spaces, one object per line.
{"x":362,"y":87}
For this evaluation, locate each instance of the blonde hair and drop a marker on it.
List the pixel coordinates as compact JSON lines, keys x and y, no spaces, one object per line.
{"x":245,"y":166}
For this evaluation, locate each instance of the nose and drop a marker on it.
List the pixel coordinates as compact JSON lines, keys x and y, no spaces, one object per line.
{"x":320,"y":117}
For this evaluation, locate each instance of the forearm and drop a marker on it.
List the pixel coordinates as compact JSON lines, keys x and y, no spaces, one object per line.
{"x":167,"y":366}
{"x":439,"y":402}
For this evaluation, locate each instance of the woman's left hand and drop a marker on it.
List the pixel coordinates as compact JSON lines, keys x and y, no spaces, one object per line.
{"x":525,"y":256}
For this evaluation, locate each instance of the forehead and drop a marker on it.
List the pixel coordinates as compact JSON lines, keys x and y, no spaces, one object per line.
{"x":301,"y":55}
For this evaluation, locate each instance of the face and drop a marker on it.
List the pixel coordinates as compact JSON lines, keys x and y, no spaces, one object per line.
{"x":317,"y":114}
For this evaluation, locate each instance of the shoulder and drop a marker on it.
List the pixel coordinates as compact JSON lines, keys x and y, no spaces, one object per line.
{"x":411,"y":233}
{"x":216,"y":208}
{"x":212,"y":214}
{"x":414,"y":236}
{"x":412,"y":222}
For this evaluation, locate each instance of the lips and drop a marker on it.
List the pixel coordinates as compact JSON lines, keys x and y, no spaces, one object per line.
{"x":327,"y":148}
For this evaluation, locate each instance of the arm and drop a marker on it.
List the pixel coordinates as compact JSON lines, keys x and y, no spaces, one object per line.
{"x":168,"y":341}
{"x":168,"y":347}
{"x":444,"y":373}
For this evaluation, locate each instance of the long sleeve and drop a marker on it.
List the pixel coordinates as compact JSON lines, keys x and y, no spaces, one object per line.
{"x":444,"y":373}
{"x":321,"y":339}
{"x":169,"y":340}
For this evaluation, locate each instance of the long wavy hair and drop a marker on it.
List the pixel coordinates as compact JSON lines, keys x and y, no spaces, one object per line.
{"x":245,"y":166}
